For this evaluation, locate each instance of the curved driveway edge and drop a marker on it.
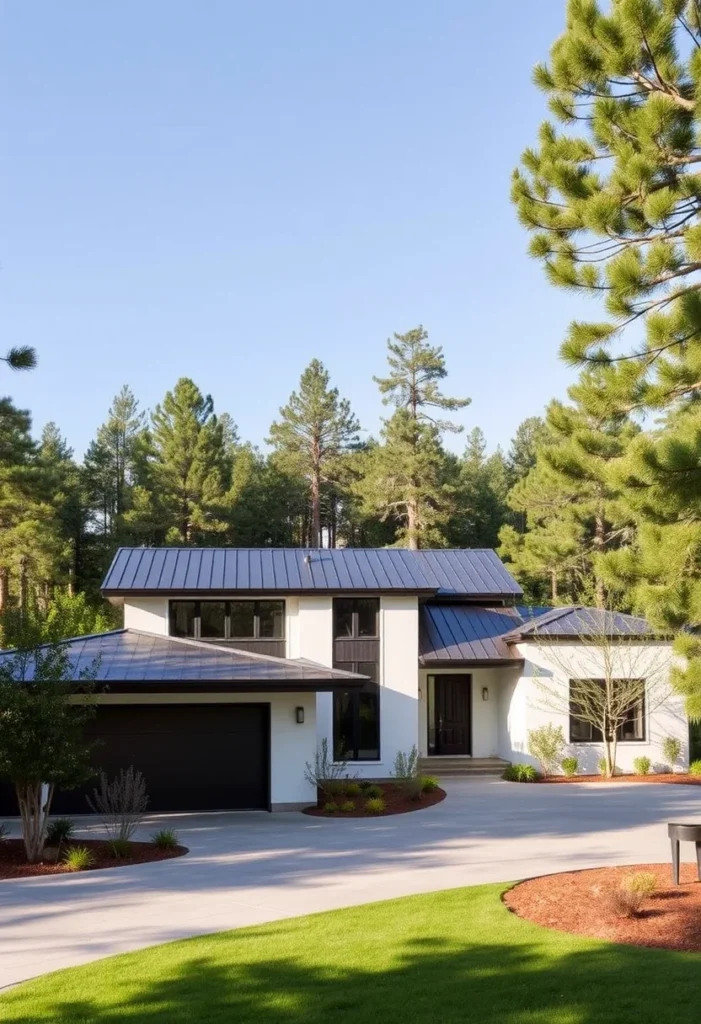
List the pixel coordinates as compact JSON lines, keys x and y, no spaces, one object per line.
{"x":250,"y":868}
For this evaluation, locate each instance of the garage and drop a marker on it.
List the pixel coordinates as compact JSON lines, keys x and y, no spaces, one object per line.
{"x":194,"y":757}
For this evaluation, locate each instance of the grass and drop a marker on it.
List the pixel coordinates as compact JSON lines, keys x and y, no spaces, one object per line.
{"x":433,"y":959}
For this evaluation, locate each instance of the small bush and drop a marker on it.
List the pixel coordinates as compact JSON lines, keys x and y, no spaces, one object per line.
{"x":520,"y":773}
{"x":78,"y":858}
{"x":601,"y":765}
{"x":4,"y":832}
{"x":119,"y":848}
{"x":374,"y":791}
{"x":375,"y":805}
{"x":406,"y":766}
{"x":348,"y":807}
{"x":642,"y":882}
{"x":695,"y":768}
{"x":165,"y":839}
{"x":120,"y":803}
{"x":412,"y":789}
{"x":59,"y":830}
{"x":429,"y":783}
{"x":622,"y":902}
{"x":570,"y":766}
{"x":546,"y":745}
{"x":335,"y":787}
{"x":365,"y":784}
{"x":671,"y":749}
{"x":326,"y":769}
{"x":330,"y":807}
{"x":641,"y":765}
{"x":353,"y":789}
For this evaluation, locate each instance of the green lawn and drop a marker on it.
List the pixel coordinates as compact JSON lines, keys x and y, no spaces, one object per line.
{"x":453,"y":956}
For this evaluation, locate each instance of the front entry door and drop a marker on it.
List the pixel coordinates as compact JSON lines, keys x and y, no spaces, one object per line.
{"x":452,"y":715}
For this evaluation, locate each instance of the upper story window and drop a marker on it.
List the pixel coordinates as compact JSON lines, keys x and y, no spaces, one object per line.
{"x":356,"y":618}
{"x":228,"y":620}
{"x":630,"y":727}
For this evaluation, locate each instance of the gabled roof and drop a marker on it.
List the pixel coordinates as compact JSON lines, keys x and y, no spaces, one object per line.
{"x":214,"y":571}
{"x":459,"y":633}
{"x":578,"y":621}
{"x":130,"y":660}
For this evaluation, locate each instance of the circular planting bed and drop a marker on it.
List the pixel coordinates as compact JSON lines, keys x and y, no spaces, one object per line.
{"x":13,"y":860}
{"x":659,"y":778}
{"x":595,"y":903}
{"x":393,"y":799}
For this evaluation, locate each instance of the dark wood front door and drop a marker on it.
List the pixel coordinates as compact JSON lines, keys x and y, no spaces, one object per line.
{"x":452,"y":715}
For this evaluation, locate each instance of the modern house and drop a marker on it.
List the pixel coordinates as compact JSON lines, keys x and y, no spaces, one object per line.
{"x":233,"y":664}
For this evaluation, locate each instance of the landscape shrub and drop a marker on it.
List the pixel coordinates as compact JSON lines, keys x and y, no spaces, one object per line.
{"x":406,"y":766}
{"x":375,"y":805}
{"x":642,"y":882}
{"x":373,"y":790}
{"x":325,"y":771}
{"x":59,"y":830}
{"x":601,"y":765}
{"x":520,"y":773}
{"x":353,"y":789}
{"x":671,"y":749}
{"x":569,"y":766}
{"x":78,"y":858}
{"x":429,"y":783}
{"x":335,"y":787}
{"x":641,"y":765}
{"x":622,"y":902}
{"x":348,"y":806}
{"x":330,"y":806}
{"x":165,"y":839}
{"x":695,"y":768}
{"x":121,"y":803}
{"x":119,"y":848}
{"x":365,"y":784}
{"x":546,"y":744}
{"x":413,"y":789}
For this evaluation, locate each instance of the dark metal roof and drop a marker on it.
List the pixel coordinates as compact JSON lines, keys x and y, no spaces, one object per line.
{"x":130,"y":656}
{"x":466,"y":633}
{"x":465,"y":573}
{"x":578,"y":621}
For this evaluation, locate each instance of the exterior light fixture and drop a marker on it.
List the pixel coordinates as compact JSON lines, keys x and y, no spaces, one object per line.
{"x":299,"y":715}
{"x":485,"y":693}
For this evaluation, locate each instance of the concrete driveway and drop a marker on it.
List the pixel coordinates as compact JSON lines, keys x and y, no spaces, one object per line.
{"x":248,"y":868}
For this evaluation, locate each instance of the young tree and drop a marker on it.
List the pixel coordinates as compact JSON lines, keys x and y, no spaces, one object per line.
{"x":613,"y":203}
{"x":315,"y":429}
{"x":606,"y":680}
{"x":407,"y":475}
{"x":41,"y":732}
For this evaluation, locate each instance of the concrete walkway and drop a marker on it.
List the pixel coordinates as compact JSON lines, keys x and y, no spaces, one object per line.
{"x":249,"y":868}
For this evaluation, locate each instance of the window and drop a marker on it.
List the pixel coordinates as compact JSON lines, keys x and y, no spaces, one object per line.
{"x":631,"y":730}
{"x":356,"y":716}
{"x":355,"y":618}
{"x":228,"y":620}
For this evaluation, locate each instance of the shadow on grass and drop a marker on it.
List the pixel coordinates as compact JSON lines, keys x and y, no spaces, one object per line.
{"x":429,"y":981}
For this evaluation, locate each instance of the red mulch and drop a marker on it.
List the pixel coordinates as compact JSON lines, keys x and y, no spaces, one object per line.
{"x":664,"y":778}
{"x":396,"y":802}
{"x":575,"y":901}
{"x":13,"y":863}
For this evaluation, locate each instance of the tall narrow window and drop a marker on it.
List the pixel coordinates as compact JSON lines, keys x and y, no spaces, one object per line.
{"x":356,"y":717}
{"x":356,"y":618}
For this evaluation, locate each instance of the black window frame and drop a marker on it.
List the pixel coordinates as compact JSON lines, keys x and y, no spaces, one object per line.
{"x":355,"y":618}
{"x":595,"y":734}
{"x":372,"y":686}
{"x":228,"y":603}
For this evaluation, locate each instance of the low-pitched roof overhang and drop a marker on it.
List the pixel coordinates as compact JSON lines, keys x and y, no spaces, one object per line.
{"x":134,"y":661}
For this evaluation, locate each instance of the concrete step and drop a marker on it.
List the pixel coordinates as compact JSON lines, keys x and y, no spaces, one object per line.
{"x":457,"y":766}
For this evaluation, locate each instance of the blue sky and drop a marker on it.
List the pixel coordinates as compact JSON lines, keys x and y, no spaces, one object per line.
{"x":224,"y":190}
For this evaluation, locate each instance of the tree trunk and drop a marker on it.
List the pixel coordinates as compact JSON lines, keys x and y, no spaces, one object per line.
{"x":599,"y":548}
{"x":316,"y":508}
{"x":4,"y":590}
{"x":553,"y":586}
{"x":412,"y":531}
{"x":23,"y":587}
{"x":34,"y":807}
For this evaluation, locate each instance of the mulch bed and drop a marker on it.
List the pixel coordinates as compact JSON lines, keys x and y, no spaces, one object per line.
{"x":575,"y":901}
{"x":396,"y":802}
{"x":13,"y":863}
{"x":663,"y":778}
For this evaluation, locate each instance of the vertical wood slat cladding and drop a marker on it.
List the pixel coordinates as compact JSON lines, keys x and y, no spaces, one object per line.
{"x":356,"y":650}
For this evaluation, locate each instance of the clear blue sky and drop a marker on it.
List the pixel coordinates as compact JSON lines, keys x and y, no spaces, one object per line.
{"x":224,"y":190}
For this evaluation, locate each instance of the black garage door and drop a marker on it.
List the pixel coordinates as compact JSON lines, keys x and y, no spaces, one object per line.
{"x":194,"y":757}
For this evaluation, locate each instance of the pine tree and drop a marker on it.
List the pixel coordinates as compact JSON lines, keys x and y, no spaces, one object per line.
{"x":21,"y":358}
{"x":482,"y":485}
{"x":65,"y":488}
{"x":315,"y":429}
{"x":188,"y":473}
{"x":521,"y":457}
{"x":407,"y":476}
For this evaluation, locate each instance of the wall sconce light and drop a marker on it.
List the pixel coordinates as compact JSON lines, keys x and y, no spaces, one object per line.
{"x":485,"y":693}
{"x":299,"y":716}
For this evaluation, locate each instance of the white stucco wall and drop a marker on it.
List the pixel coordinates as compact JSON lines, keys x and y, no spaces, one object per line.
{"x":399,"y":681}
{"x":291,"y":745}
{"x":486,"y":725}
{"x":149,"y":614}
{"x":526,"y":704}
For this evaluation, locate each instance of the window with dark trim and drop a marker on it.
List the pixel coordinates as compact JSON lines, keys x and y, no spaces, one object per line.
{"x":632,"y":730}
{"x":356,"y":716}
{"x":228,"y":620}
{"x":356,"y":618}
